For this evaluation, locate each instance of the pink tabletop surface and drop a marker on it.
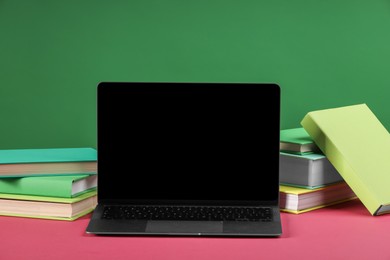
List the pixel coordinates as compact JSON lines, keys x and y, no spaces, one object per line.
{"x":344,"y":231}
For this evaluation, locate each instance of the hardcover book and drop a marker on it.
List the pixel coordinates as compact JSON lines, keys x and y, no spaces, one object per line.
{"x":299,"y":200}
{"x":47,"y":207}
{"x":297,"y":140}
{"x":51,"y":161}
{"x":308,"y":171}
{"x":358,"y":146}
{"x":52,"y":186}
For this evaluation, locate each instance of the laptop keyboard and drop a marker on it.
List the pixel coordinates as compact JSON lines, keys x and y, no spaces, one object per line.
{"x":187,"y":213}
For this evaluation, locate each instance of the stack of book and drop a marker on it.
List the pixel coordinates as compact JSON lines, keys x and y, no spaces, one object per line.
{"x":308,"y":181}
{"x":48,"y":183}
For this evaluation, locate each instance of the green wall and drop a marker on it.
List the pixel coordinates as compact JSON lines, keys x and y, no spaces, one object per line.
{"x":53,"y":54}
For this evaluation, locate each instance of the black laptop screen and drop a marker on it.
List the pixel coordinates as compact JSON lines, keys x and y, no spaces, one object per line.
{"x":188,"y":141}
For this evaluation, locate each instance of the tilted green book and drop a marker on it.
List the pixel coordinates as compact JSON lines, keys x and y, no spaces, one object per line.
{"x":297,"y":140}
{"x":53,"y":186}
{"x":358,"y":146}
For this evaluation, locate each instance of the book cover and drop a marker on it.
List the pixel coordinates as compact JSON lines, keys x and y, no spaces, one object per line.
{"x":297,"y":140}
{"x":47,"y":155}
{"x":309,"y":170}
{"x":299,"y":200}
{"x":48,"y":207}
{"x":52,"y":186}
{"x":358,"y":146}
{"x":51,"y":161}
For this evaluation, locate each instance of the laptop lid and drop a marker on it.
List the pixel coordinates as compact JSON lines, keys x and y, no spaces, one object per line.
{"x":188,"y":143}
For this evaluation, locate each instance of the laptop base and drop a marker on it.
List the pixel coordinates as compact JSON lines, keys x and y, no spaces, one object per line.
{"x":101,"y":226}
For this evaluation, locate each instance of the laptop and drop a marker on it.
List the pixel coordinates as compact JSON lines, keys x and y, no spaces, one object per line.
{"x":188,"y":159}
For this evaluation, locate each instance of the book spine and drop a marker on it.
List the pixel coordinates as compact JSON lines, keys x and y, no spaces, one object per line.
{"x":310,"y":176}
{"x":340,"y":163}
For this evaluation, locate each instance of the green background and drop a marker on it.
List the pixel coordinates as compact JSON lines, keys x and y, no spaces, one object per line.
{"x":53,"y":54}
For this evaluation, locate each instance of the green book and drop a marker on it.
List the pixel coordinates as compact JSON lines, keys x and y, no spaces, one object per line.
{"x":12,"y":156}
{"x":358,"y":146}
{"x":47,"y":207}
{"x":297,"y":140}
{"x":50,"y":161}
{"x":52,"y":186}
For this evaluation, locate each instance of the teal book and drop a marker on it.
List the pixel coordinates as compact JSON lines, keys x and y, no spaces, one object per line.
{"x":47,"y":155}
{"x":298,"y":141}
{"x":51,"y":186}
{"x":50,"y":161}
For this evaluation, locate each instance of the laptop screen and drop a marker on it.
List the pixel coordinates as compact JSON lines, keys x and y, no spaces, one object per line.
{"x":198,"y":142}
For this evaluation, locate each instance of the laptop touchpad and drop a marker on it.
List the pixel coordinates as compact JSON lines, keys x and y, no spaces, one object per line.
{"x":184,"y":226}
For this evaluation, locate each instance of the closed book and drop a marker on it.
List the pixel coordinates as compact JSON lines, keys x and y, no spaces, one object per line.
{"x":309,"y":171}
{"x":47,"y":207}
{"x":297,"y":140}
{"x":298,"y":200}
{"x":50,"y":161}
{"x":358,"y":146}
{"x":55,"y":186}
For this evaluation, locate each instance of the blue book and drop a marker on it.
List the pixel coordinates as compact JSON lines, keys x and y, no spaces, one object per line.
{"x":47,"y":161}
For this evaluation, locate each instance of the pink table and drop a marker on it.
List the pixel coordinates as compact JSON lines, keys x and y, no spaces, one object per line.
{"x":344,"y":231}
